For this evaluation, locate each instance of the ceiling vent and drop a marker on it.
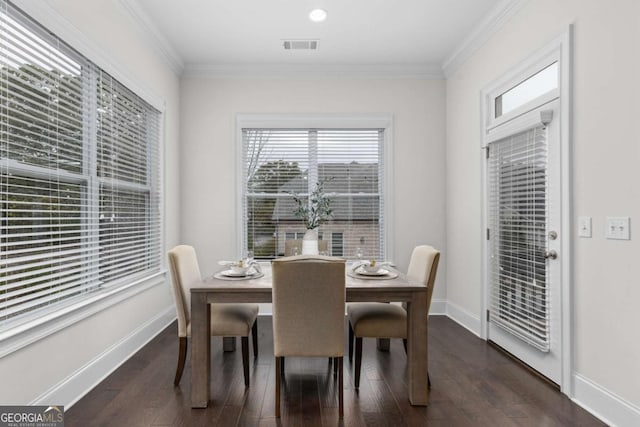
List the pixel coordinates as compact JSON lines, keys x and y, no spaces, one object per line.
{"x":300,"y":44}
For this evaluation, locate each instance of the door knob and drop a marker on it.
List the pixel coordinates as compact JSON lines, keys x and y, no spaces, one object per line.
{"x":551,"y":254}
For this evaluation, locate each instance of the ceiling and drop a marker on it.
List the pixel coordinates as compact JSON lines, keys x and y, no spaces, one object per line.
{"x":216,"y":34}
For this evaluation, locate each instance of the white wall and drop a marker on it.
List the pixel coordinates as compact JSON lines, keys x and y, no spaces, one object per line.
{"x":606,"y":152}
{"x":208,"y":164}
{"x":59,"y":367}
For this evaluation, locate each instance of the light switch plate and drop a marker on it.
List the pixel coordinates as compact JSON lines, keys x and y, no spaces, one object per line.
{"x":618,"y":227}
{"x":584,"y":226}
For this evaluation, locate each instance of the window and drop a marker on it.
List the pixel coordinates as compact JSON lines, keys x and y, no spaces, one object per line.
{"x":526,"y":91}
{"x":293,"y":235}
{"x":337,"y":244}
{"x":79,"y":175}
{"x":279,"y":162}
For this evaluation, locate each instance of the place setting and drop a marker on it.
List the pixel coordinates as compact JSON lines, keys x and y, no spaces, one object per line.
{"x":372,"y":269}
{"x":243,"y":269}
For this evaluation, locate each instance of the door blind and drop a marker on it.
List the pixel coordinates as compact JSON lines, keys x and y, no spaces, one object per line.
{"x":281,"y":162}
{"x":519,"y":298}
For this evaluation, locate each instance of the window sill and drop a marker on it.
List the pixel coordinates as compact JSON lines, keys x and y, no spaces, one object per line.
{"x":16,"y":336}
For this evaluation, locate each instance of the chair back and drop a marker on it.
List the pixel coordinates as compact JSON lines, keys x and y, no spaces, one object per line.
{"x":423,"y":267}
{"x":185,"y":272}
{"x":291,"y":245}
{"x":308,"y":306}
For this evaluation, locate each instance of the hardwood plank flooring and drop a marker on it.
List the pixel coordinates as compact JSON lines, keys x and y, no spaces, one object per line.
{"x":473,"y":384}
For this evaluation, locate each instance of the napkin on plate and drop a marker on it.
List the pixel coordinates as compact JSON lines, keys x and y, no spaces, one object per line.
{"x":359,"y":264}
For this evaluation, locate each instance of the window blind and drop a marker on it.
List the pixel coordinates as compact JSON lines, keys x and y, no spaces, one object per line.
{"x":517,"y":219}
{"x":79,"y":173}
{"x":280,"y":162}
{"x":128,"y":175}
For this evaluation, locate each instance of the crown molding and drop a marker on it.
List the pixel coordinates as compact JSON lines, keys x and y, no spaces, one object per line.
{"x":153,"y":35}
{"x":490,"y":25}
{"x":372,"y":71}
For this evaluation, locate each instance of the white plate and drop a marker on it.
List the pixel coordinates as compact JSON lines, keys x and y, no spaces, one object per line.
{"x":231,"y":273}
{"x":381,"y":272}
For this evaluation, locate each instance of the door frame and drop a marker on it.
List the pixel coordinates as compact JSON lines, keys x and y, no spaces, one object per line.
{"x":561,"y":48}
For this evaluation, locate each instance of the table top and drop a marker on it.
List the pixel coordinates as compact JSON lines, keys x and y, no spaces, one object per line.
{"x":400,"y":288}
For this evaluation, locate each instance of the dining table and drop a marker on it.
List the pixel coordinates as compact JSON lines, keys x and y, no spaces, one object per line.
{"x":396,"y":288}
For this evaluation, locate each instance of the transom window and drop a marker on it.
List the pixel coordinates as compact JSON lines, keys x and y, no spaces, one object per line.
{"x":526,"y":91}
{"x":79,"y":175}
{"x":280,"y":162}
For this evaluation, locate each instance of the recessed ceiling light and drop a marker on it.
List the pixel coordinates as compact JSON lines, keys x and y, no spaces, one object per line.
{"x":318,"y":15}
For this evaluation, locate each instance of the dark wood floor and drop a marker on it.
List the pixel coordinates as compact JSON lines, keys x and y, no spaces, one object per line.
{"x":473,"y":384}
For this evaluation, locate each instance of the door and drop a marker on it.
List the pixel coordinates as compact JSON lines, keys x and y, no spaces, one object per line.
{"x":524,"y":237}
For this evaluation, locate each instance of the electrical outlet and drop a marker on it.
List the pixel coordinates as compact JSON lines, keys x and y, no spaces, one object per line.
{"x":618,"y":228}
{"x":584,"y":226}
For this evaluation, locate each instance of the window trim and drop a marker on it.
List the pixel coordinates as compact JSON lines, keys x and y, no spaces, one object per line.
{"x":320,"y":121}
{"x":26,"y":331}
{"x":534,"y":65}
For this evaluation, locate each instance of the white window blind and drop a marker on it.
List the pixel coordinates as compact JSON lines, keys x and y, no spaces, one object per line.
{"x":517,"y":220}
{"x":129,"y":176}
{"x":79,"y":174}
{"x":279,"y":162}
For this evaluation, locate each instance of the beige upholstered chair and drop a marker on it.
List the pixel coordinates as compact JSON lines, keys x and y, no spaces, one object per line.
{"x":308,"y":312}
{"x":291,"y":245}
{"x":380,"y":320}
{"x":227,"y":320}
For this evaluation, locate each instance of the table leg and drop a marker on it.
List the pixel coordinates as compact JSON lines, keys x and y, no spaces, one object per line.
{"x":200,"y":350}
{"x":417,"y":346}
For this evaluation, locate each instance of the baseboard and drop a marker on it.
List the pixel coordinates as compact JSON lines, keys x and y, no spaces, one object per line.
{"x":265,"y":309}
{"x":438,"y":307}
{"x":610,"y":408}
{"x":464,"y":318}
{"x":71,"y":389}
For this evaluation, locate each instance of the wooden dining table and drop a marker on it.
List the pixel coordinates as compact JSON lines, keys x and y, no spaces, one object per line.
{"x":258,"y":290}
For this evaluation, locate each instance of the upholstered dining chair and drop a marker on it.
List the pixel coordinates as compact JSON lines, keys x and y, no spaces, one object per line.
{"x":308,"y":312}
{"x":381,"y":320}
{"x":227,"y":320}
{"x":294,"y":246}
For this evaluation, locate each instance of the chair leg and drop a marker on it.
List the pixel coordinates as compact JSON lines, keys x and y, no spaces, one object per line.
{"x":356,"y":368}
{"x":428,"y":380}
{"x":335,"y":366}
{"x":350,"y":342}
{"x":182,"y":356}
{"x":340,"y":388}
{"x":279,"y":362}
{"x":254,"y":334}
{"x":245,"y":359}
{"x":281,"y":365}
